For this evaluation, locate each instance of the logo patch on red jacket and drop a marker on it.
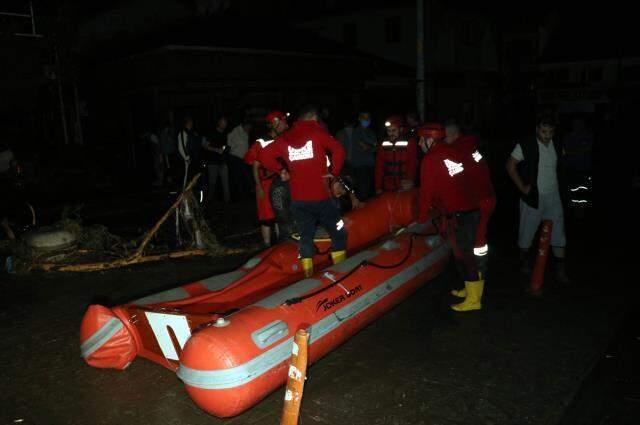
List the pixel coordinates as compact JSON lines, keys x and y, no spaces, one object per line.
{"x":299,"y":154}
{"x":453,"y":167}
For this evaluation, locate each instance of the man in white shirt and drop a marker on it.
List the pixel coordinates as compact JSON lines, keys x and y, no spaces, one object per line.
{"x":238,"y":142}
{"x":533,"y":167}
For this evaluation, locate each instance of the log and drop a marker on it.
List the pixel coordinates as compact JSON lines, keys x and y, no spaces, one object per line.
{"x":106,"y":265}
{"x":129,"y":261}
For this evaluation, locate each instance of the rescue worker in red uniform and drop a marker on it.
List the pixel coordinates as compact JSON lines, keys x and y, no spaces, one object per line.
{"x":445,"y":192}
{"x":396,"y":159}
{"x":479,"y":179}
{"x":306,"y":149}
{"x":276,"y":123}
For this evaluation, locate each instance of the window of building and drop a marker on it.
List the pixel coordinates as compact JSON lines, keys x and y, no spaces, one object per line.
{"x":595,"y":74}
{"x":558,"y":75}
{"x":350,"y":33}
{"x":470,"y":33}
{"x":393,"y":29}
{"x":630,"y":73}
{"x":580,"y":75}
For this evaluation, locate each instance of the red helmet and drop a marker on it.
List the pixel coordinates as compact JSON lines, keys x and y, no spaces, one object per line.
{"x":432,"y":130}
{"x":394,"y":121}
{"x":274,"y":117}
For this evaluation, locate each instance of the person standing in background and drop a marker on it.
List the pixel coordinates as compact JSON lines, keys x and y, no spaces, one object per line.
{"x":363,"y":156}
{"x":189,"y":150}
{"x":276,"y":123}
{"x":239,"y":172}
{"x":216,"y":158}
{"x":534,"y":166}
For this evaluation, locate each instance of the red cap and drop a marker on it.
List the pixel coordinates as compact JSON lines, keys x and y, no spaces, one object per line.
{"x":274,"y":116}
{"x":394,"y":121}
{"x":432,"y":130}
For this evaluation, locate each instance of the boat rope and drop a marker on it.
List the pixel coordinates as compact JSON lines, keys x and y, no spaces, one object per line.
{"x":363,"y":263}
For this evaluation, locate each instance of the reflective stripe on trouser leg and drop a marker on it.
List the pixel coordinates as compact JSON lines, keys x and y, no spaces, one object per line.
{"x":332,"y":221}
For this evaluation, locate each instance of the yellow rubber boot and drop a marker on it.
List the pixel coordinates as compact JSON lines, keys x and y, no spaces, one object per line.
{"x":307,"y":266}
{"x":338,"y":256}
{"x":473,"y":301}
{"x":462,"y":293}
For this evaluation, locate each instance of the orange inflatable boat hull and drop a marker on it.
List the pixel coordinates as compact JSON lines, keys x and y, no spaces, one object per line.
{"x":230,"y":337}
{"x":113,"y":337}
{"x":230,"y":366}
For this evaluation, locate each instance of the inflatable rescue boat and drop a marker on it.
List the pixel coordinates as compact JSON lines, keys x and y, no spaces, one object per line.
{"x":229,"y":337}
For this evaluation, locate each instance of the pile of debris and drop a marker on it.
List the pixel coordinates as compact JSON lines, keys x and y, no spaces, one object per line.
{"x":70,"y":246}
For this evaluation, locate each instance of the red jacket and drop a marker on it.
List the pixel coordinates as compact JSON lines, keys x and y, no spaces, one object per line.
{"x":476,"y":167}
{"x":252,"y":156}
{"x":395,"y":161}
{"x":305,"y":149}
{"x":444,"y":183}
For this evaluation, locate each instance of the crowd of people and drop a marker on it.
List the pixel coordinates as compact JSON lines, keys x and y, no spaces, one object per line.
{"x":302,"y":176}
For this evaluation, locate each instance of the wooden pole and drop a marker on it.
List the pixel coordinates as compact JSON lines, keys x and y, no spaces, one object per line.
{"x":297,"y":376}
{"x":129,"y":261}
{"x":107,"y":265}
{"x":164,"y":218}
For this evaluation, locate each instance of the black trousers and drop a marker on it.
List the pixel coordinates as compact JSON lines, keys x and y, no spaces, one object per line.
{"x":308,"y":214}
{"x":240,"y":178}
{"x":461,"y":233}
{"x":363,"y":181}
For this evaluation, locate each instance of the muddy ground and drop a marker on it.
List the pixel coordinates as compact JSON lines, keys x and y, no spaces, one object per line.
{"x":520,"y":360}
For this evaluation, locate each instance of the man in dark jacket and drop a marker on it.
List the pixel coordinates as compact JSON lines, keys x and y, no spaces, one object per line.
{"x":533,"y":166}
{"x":216,"y":156}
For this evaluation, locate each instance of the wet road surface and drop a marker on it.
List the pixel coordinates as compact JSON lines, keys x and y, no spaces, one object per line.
{"x":519,"y":361}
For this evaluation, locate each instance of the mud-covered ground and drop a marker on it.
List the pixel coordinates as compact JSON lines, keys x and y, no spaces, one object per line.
{"x":519,"y":361}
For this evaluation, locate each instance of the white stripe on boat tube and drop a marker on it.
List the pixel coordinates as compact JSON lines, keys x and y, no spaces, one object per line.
{"x":242,"y":374}
{"x":167,"y":296}
{"x":219,"y":282}
{"x":100,"y":337}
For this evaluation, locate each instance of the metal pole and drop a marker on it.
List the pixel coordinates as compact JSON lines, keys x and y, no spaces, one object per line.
{"x":63,"y":115}
{"x":420,"y":101}
{"x":78,"y":127}
{"x":33,"y":19}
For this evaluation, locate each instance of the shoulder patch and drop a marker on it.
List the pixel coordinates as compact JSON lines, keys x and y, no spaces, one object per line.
{"x":265,"y":143}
